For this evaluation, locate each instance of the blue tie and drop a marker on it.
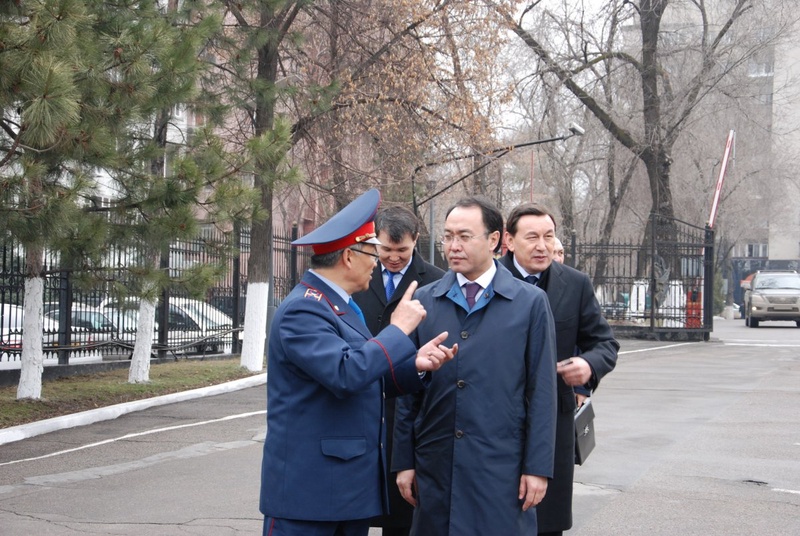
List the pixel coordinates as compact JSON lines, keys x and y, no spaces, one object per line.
{"x":390,"y":288}
{"x":532,"y":279}
{"x":357,"y":310}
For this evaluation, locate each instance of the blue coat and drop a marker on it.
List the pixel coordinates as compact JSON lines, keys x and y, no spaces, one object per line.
{"x":378,"y":314}
{"x":579,"y":325}
{"x":488,"y":417}
{"x":324,"y":457}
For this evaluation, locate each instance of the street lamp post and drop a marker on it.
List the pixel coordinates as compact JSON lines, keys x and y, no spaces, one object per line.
{"x":495,"y":154}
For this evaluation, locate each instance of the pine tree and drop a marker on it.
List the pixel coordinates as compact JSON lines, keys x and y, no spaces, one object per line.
{"x":87,"y":90}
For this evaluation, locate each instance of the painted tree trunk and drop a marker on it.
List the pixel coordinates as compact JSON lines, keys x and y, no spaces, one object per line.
{"x":32,"y":362}
{"x":143,"y":345}
{"x":255,"y":321}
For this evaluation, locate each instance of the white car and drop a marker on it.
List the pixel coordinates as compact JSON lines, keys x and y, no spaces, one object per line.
{"x":11,"y":338}
{"x":194,"y":326}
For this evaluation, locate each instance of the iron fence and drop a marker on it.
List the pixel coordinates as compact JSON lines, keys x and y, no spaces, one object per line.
{"x":87,"y":316}
{"x":662,"y":286}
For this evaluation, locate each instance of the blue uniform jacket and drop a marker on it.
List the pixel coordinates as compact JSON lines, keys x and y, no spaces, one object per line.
{"x":324,"y":457}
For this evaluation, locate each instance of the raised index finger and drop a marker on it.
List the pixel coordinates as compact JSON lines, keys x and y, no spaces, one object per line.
{"x":409,"y":291}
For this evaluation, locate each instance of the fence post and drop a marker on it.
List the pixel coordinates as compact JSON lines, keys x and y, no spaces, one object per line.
{"x":708,"y":283}
{"x":163,"y":326}
{"x":293,"y":258}
{"x":652,"y":289}
{"x":573,"y":248}
{"x":237,"y":286}
{"x":64,"y":316}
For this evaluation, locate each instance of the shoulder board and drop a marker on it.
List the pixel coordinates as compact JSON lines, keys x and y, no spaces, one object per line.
{"x":316,"y":294}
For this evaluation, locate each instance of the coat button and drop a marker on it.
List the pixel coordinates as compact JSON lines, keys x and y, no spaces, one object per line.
{"x":460,"y":384}
{"x":464,"y":334}
{"x":381,"y":445}
{"x":459,"y":434}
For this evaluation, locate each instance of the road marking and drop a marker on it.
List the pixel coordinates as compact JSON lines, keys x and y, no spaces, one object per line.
{"x":762,"y":344}
{"x":654,"y":348}
{"x":137,"y":434}
{"x":794,"y":491}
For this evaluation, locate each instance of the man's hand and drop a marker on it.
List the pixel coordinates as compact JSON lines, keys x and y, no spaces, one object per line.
{"x":532,"y":489}
{"x":434,"y":354}
{"x":409,"y":313}
{"x":407,"y":484}
{"x":575,"y":371}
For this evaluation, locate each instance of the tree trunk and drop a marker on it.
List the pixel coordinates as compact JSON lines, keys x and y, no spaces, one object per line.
{"x":143,"y":346}
{"x":32,"y":360}
{"x":259,"y":265}
{"x":655,"y":157}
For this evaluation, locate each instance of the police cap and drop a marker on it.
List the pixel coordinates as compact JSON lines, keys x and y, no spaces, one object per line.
{"x":350,"y":226}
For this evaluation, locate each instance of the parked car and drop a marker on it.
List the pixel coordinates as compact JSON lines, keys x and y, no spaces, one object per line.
{"x":89,"y":325}
{"x":11,"y":324}
{"x":772,"y":295}
{"x":194,"y":326}
{"x":10,"y":329}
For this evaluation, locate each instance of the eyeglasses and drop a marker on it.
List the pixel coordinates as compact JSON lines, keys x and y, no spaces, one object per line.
{"x":460,"y":238}
{"x":373,"y":255}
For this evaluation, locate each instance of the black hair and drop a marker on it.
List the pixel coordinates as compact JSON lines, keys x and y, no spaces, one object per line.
{"x":397,"y":222}
{"x":526,"y":209}
{"x":326,"y":260}
{"x":492,"y":218}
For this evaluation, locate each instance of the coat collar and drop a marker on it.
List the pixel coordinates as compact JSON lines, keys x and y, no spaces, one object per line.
{"x":557,"y":286}
{"x":317,"y":289}
{"x":416,"y":267}
{"x":502,"y":284}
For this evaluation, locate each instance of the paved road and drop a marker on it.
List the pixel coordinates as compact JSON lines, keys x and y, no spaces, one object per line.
{"x":693,"y":438}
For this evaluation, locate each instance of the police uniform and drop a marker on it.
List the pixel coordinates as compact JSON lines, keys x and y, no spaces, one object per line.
{"x":324,"y":464}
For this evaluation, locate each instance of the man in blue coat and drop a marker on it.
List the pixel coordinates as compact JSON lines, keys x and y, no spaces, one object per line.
{"x":474,"y":451}
{"x":324,"y":464}
{"x":585,"y":344}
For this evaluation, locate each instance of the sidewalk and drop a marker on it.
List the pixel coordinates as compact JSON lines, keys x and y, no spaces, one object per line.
{"x":24,"y":431}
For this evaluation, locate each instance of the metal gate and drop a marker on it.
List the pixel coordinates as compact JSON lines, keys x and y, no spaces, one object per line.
{"x":661,"y":288}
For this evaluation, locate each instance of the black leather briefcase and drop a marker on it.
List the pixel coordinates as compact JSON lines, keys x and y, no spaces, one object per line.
{"x":584,"y":432}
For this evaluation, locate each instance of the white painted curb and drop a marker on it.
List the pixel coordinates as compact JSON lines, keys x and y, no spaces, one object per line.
{"x":24,"y":431}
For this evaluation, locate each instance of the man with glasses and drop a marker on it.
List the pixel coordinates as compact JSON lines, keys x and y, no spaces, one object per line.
{"x":585,"y":344}
{"x":400,"y":264}
{"x":474,"y":451}
{"x":324,"y":463}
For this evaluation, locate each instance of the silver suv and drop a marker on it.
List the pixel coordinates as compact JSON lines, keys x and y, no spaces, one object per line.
{"x":772,"y":295}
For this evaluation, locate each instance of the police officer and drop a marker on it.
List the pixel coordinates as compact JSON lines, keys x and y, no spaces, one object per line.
{"x":324,"y":464}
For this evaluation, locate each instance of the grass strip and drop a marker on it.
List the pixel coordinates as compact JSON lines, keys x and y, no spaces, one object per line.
{"x":78,"y":393}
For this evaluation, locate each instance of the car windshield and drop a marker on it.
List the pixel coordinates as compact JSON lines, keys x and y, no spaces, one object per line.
{"x":778,"y":281}
{"x":212,"y":317}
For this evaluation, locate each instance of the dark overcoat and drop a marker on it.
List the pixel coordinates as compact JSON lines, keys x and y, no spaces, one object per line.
{"x":488,"y":417}
{"x":324,"y":456}
{"x":378,"y":312}
{"x":579,"y":325}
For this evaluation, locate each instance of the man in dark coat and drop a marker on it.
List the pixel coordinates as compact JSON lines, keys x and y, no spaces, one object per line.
{"x":478,"y":444}
{"x":398,"y":231}
{"x":585,"y":343}
{"x":324,"y":465}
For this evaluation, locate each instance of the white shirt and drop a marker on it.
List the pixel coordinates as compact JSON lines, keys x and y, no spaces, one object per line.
{"x":484,"y":280}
